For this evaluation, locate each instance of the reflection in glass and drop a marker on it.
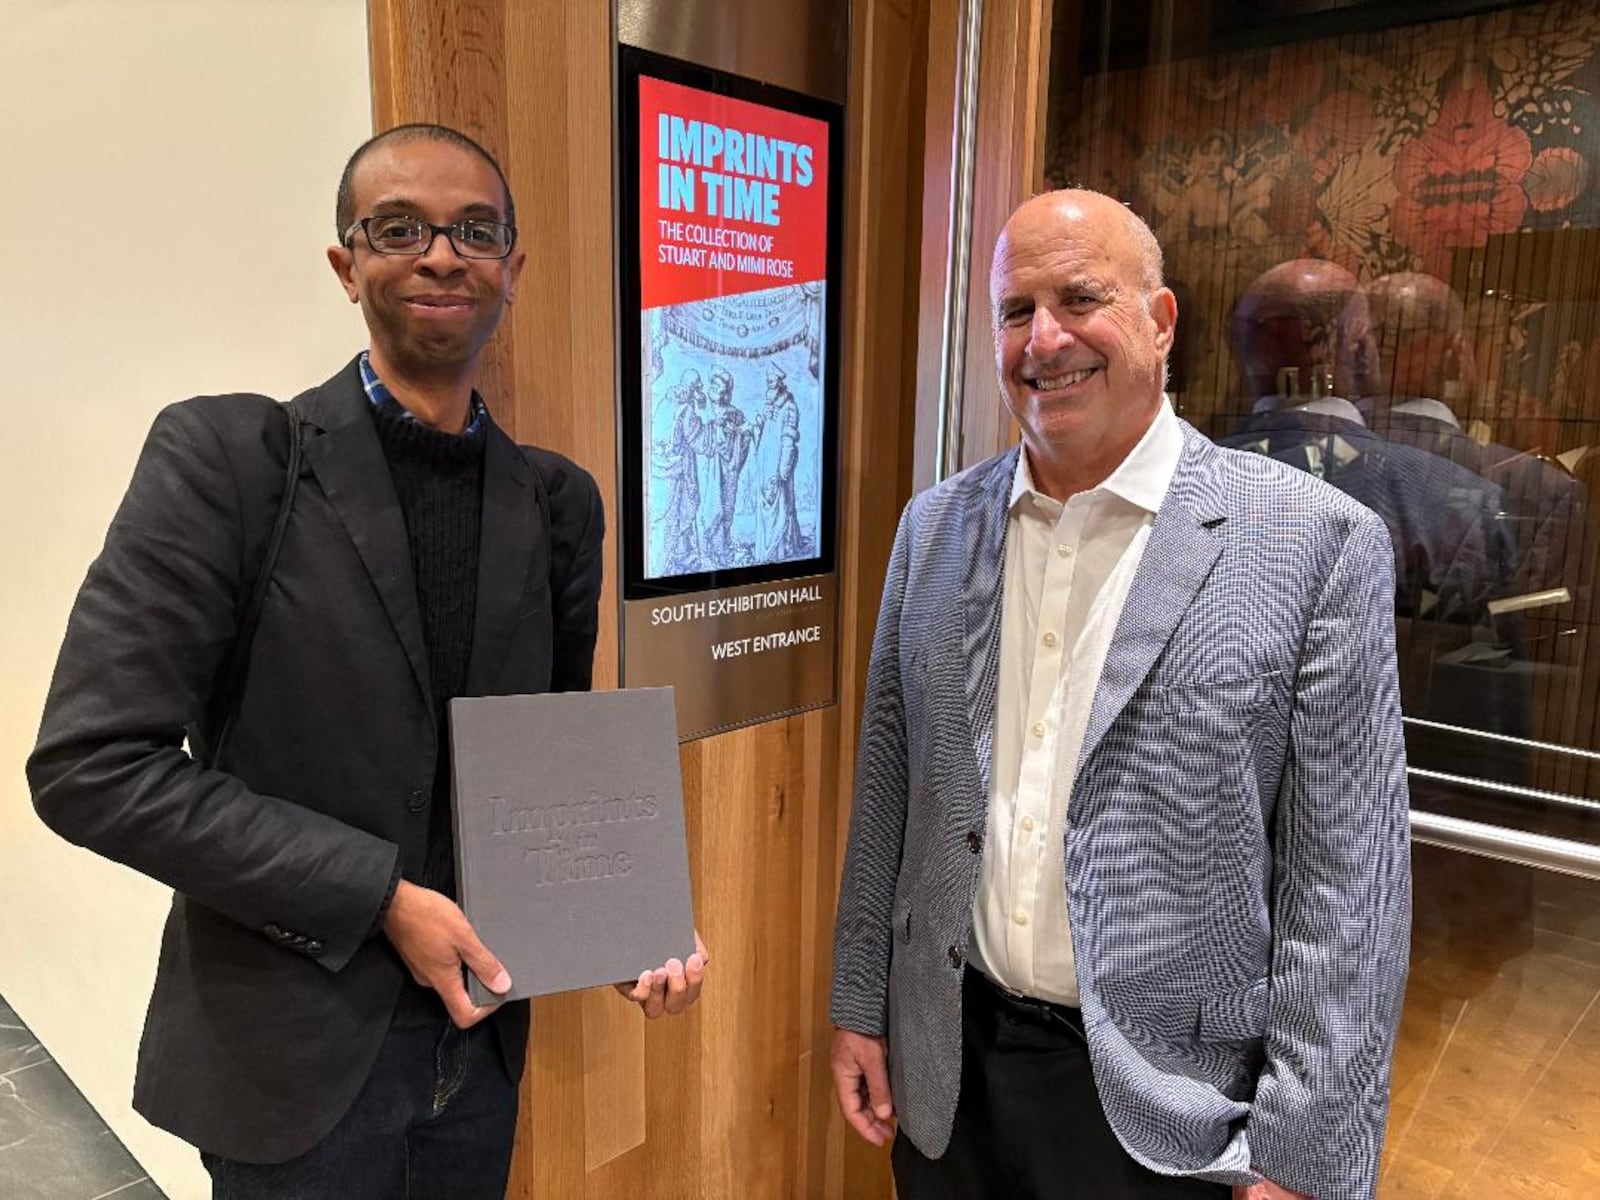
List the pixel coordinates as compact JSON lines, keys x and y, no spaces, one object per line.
{"x":1388,"y":240}
{"x":1306,"y":320}
{"x":1384,"y":224}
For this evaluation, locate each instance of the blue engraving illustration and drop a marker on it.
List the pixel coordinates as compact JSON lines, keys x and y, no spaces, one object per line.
{"x":733,"y":432}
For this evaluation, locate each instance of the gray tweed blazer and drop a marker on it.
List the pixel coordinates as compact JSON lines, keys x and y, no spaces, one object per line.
{"x":1237,"y":857}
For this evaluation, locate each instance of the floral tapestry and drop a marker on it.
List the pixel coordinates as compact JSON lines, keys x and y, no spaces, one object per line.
{"x":1403,"y":150}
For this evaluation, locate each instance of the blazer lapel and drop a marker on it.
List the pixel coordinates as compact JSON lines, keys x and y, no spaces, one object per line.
{"x":348,"y":461}
{"x":987,"y":508}
{"x":511,"y":529}
{"x":1177,"y":559}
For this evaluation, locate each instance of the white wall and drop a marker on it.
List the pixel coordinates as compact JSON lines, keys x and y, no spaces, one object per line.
{"x":167,"y":171}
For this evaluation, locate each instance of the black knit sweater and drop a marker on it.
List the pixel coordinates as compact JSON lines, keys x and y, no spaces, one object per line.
{"x":438,"y":479}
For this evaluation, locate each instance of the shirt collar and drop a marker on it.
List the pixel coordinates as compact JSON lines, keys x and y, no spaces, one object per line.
{"x":1142,"y":478}
{"x":379,"y":394}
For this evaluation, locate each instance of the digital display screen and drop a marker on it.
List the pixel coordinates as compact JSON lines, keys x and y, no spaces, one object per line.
{"x":729,"y":273}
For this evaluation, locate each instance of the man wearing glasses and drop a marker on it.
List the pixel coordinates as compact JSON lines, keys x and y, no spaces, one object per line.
{"x":310,"y":1032}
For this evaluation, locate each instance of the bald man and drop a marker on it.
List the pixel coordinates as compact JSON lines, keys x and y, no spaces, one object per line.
{"x":1305,"y":344}
{"x":1125,"y":904}
{"x":1300,"y":333}
{"x":1421,"y":398}
{"x":1419,"y":326}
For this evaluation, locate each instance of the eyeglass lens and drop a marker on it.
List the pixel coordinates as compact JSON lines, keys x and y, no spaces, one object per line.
{"x":407,"y":235}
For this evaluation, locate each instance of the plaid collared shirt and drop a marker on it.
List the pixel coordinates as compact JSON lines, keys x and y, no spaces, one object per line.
{"x":377,"y":393}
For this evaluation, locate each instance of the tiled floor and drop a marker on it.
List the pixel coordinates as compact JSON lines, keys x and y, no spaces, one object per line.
{"x":53,"y":1146}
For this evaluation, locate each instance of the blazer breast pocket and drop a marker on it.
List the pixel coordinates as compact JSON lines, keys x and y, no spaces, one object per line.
{"x":1218,"y":734}
{"x":1240,"y":698}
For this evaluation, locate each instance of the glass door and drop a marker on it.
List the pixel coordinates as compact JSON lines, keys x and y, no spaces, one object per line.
{"x":1382,"y":222}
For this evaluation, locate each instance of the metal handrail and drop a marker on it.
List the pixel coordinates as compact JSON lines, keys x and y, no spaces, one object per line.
{"x":1536,"y":850}
{"x":1506,"y":738}
{"x":1515,"y":790}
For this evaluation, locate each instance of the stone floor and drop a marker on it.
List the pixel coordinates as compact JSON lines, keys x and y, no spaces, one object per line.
{"x":53,"y":1146}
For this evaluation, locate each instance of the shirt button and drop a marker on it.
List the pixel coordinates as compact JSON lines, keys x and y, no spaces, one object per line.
{"x":1038,"y":729}
{"x":1027,"y":824}
{"x":1049,"y":638}
{"x":1064,"y":550}
{"x":1020,"y":917}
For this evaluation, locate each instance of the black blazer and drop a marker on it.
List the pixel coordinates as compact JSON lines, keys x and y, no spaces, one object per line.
{"x":274,"y":989}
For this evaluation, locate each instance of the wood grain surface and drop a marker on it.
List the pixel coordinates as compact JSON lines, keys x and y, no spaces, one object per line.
{"x":734,"y":1099}
{"x":1495,"y":1082}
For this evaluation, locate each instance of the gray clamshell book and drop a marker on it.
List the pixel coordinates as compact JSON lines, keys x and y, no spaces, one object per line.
{"x":571,"y":859}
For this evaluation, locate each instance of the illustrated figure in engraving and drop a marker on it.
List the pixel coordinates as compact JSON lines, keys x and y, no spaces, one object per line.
{"x":777,"y":433}
{"x":310,"y":1031}
{"x":1125,"y":905}
{"x":812,"y":296}
{"x":658,"y":343}
{"x":678,"y":464}
{"x":723,"y":448}
{"x":769,"y":491}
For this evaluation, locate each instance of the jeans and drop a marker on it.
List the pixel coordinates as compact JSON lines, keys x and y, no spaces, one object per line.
{"x":434,"y":1121}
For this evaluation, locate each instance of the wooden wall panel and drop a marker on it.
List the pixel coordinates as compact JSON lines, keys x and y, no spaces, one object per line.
{"x":735,"y":1099}
{"x":463,"y":76}
{"x":890,"y":63}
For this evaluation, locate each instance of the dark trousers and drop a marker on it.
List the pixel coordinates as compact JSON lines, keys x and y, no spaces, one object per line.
{"x":434,"y":1121}
{"x":1029,"y":1125}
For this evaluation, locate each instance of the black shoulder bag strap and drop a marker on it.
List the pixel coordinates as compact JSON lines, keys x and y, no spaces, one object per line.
{"x":226,"y":703}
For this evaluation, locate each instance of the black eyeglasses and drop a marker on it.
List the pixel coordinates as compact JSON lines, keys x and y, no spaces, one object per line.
{"x":412,"y":236}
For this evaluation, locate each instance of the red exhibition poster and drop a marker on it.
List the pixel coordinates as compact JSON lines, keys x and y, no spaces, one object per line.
{"x":733,"y":242}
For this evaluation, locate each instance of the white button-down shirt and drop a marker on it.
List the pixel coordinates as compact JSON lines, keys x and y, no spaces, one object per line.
{"x":1068,"y":568}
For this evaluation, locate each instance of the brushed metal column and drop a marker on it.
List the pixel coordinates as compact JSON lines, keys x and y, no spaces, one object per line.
{"x":802,"y":45}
